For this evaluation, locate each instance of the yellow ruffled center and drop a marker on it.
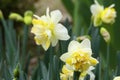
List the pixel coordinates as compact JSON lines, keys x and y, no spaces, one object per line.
{"x":48,"y":25}
{"x":81,"y":61}
{"x":108,"y":15}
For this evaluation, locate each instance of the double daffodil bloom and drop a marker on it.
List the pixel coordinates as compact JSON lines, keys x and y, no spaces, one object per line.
{"x":66,"y":74}
{"x":109,"y":15}
{"x":47,"y":30}
{"x":117,"y":78}
{"x":78,"y":57}
{"x":101,"y":14}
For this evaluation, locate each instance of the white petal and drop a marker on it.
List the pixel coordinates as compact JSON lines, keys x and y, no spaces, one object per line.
{"x":47,"y":12}
{"x":56,"y":16}
{"x":64,"y":56}
{"x":61,"y":32}
{"x":46,"y":45}
{"x":69,"y":67}
{"x":111,"y":6}
{"x":117,"y":78}
{"x":96,"y":8}
{"x":85,"y":43}
{"x":73,"y":46}
{"x":85,"y":46}
{"x":54,"y":41}
{"x":36,"y":16}
{"x":48,"y":32}
{"x":44,"y":18}
{"x":37,"y":29}
{"x":92,"y":76}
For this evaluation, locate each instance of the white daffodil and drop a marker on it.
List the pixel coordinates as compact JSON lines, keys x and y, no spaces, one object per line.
{"x":117,"y":78}
{"x":96,"y":10}
{"x":78,"y":57}
{"x":47,"y":30}
{"x":101,"y":14}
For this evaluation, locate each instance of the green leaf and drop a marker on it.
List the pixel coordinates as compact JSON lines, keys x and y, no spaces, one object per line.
{"x":69,"y":6}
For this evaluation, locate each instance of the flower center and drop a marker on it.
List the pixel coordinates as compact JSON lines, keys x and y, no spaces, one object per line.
{"x":79,"y":60}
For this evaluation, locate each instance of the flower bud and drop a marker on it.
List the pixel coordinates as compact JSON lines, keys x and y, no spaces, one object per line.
{"x":28,"y":20}
{"x":28,"y":13}
{"x":108,"y":15}
{"x":28,"y":17}
{"x":81,"y":38}
{"x":16,"y":72}
{"x":1,"y":14}
{"x":105,"y":34}
{"x":16,"y":16}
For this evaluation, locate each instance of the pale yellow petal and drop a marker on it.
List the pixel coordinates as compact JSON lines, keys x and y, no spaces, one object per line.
{"x":54,"y":41}
{"x":61,"y":32}
{"x":64,"y":56}
{"x":56,"y":16}
{"x":85,"y":46}
{"x":73,"y":46}
{"x":117,"y":78}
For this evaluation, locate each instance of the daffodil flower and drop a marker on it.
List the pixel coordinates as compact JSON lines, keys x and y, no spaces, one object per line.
{"x":66,"y":74}
{"x":117,"y":78}
{"x":89,"y":72}
{"x":48,"y":30}
{"x":96,"y":10}
{"x":109,"y":15}
{"x":78,"y":57}
{"x":102,"y":15}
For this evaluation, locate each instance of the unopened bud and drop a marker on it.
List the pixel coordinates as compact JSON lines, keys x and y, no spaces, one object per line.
{"x":81,"y":38}
{"x":16,"y":72}
{"x":105,"y":34}
{"x":28,"y":20}
{"x":28,"y":13}
{"x":1,"y":14}
{"x":16,"y":16}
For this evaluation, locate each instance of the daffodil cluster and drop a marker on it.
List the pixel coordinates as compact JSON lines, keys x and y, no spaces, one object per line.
{"x":47,"y":30}
{"x":102,"y":15}
{"x":78,"y":58}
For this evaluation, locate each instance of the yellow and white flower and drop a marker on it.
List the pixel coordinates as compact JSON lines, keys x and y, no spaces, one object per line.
{"x":47,"y":30}
{"x":117,"y":78}
{"x":96,"y":10}
{"x":66,"y":74}
{"x":89,"y":72}
{"x":101,"y":14}
{"x":78,"y":57}
{"x":109,"y":15}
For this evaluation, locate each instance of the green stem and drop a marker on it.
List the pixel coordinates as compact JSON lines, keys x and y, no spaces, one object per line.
{"x":76,"y":28}
{"x":100,"y":62}
{"x":24,"y":42}
{"x":76,"y":75}
{"x":7,"y":32}
{"x":107,"y":63}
